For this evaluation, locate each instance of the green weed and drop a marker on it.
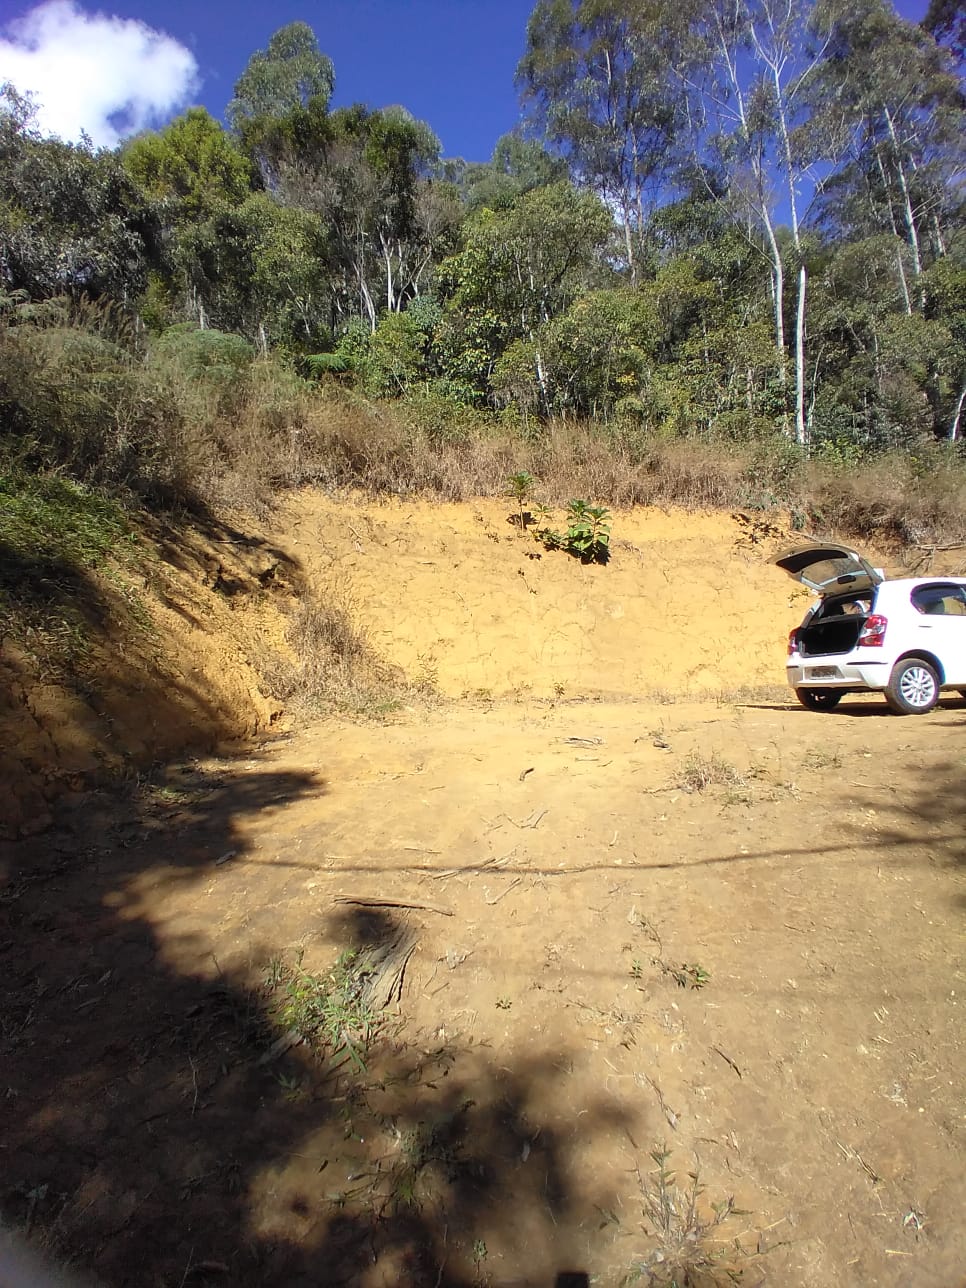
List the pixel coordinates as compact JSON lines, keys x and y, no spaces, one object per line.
{"x":520,"y":486}
{"x":683,"y":1252}
{"x":822,"y":758}
{"x":331,"y":1010}
{"x":690,"y":975}
{"x":586,"y":537}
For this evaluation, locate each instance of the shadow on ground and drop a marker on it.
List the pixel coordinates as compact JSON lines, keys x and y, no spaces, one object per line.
{"x":156,"y":1132}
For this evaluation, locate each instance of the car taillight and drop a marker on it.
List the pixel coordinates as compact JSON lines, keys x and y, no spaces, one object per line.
{"x":873,"y":632}
{"x":793,"y":642}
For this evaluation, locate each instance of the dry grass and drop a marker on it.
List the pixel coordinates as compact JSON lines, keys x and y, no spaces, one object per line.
{"x":699,"y":772}
{"x":900,"y":499}
{"x":330,"y":666}
{"x":195,"y":421}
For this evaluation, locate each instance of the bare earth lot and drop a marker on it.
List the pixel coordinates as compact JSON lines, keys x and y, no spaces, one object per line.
{"x":703,"y":919}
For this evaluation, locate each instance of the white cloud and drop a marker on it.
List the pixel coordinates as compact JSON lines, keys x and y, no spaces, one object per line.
{"x":106,"y":75}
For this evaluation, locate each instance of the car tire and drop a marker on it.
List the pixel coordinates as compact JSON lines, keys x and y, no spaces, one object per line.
{"x":913,"y":687}
{"x":819,"y":699}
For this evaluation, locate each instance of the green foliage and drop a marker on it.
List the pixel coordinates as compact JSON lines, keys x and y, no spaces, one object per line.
{"x":593,"y":77}
{"x":259,"y":269}
{"x":517,"y":166}
{"x":53,"y":522}
{"x":203,"y":355}
{"x":520,"y":486}
{"x":54,"y":533}
{"x":588,"y":532}
{"x":340,"y":242}
{"x":332,"y":1010}
{"x":74,"y":396}
{"x":192,"y":160}
{"x":289,"y":73}
{"x":592,"y":356}
{"x":326,"y":364}
{"x":586,"y":536}
{"x":519,"y":268}
{"x":205,"y":372}
{"x":396,"y":355}
{"x":71,"y":219}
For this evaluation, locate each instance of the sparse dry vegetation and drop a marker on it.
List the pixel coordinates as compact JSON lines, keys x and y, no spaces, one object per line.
{"x":700,"y":771}
{"x":688,"y":1249}
{"x":331,"y":666}
{"x":192,"y":419}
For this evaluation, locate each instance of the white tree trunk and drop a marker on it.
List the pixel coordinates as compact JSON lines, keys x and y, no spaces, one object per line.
{"x":911,"y":229}
{"x":801,"y":431}
{"x":954,"y":424}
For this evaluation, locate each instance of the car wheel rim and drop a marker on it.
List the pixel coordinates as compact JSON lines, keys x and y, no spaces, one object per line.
{"x":917,"y":686}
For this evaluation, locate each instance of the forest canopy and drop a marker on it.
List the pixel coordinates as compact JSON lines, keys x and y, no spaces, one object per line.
{"x":725,"y":221}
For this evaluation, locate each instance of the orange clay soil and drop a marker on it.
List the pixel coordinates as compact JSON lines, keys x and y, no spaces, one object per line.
{"x":625,"y":896}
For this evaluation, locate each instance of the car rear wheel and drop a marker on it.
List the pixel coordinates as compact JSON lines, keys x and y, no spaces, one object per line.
{"x":913,"y":687}
{"x":819,"y":699}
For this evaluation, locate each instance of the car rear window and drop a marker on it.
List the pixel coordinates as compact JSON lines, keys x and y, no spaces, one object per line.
{"x":847,"y":605}
{"x":940,"y":600}
{"x":829,"y":570}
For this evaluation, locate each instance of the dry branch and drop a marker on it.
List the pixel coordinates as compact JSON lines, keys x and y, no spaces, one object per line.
{"x":394,"y":903}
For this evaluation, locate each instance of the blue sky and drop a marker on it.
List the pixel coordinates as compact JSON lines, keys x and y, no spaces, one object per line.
{"x":127,"y":64}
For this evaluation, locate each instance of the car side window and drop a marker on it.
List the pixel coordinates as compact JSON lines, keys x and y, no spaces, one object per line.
{"x":940,"y":600}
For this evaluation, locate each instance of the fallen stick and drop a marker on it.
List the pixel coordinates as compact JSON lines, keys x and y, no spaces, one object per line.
{"x":394,"y":903}
{"x":727,"y":1059}
{"x":503,"y":893}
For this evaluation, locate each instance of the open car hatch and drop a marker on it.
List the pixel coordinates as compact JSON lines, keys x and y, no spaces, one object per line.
{"x":827,"y":567}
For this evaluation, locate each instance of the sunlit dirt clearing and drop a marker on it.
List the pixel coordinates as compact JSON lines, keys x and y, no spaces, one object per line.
{"x":719,"y":923}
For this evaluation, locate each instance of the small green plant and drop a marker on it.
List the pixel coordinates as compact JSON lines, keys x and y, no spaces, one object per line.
{"x":333,"y":1009}
{"x":637,"y":969}
{"x":587,"y":536}
{"x":683,"y":1251}
{"x":691,"y":975}
{"x":822,"y":758}
{"x":479,"y":1256}
{"x":520,"y":486}
{"x":588,"y":532}
{"x":290,"y":1085}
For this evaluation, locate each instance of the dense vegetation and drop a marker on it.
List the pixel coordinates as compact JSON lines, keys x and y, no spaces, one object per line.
{"x":735,"y":226}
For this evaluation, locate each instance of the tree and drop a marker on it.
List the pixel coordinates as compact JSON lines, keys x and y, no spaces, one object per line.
{"x":71,"y":219}
{"x":945,"y":20}
{"x":946,"y":295}
{"x":192,"y":160}
{"x":260,"y":269}
{"x":367,"y":176}
{"x":594,"y":78}
{"x":749,"y":72}
{"x":592,"y":357}
{"x":519,"y":269}
{"x":289,"y":73}
{"x":518,"y":165}
{"x":899,"y":110}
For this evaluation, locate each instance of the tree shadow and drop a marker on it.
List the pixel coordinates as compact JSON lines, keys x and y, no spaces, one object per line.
{"x":156,"y":1131}
{"x":85,"y":691}
{"x":933,"y":813}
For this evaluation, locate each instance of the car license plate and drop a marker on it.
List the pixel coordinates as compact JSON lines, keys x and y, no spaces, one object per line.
{"x":822,"y":672}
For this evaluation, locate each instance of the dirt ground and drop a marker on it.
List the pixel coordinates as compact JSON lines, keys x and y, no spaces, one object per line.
{"x":633,"y":897}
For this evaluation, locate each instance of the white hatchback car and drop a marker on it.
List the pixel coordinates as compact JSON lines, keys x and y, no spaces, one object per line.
{"x":904,"y":638}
